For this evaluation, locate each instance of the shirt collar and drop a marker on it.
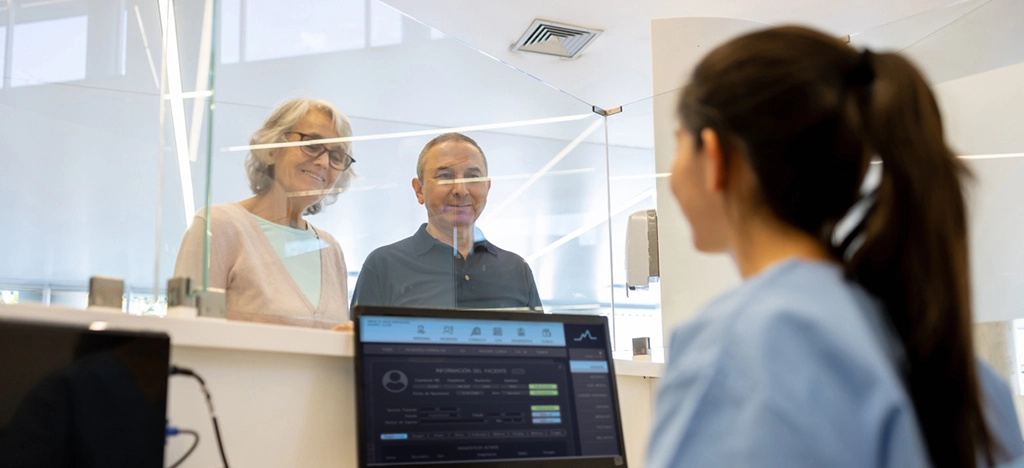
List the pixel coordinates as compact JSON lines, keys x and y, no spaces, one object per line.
{"x":423,"y":242}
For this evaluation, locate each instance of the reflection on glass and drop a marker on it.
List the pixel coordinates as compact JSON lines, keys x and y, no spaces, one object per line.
{"x":448,"y":262}
{"x":274,"y":266}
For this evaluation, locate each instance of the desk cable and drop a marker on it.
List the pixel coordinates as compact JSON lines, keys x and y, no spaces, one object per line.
{"x":173,"y":431}
{"x":175,"y":370}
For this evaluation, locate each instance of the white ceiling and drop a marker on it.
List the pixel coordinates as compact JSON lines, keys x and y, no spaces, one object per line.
{"x":616,"y":68}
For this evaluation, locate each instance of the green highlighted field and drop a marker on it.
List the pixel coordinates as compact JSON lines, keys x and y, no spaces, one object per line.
{"x":544,"y":408}
{"x":543,"y":386}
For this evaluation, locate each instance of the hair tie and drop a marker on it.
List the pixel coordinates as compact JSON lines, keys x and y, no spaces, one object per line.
{"x":862,"y":73}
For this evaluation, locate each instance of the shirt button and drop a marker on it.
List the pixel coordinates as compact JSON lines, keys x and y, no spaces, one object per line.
{"x":467,"y":277}
{"x":316,"y":316}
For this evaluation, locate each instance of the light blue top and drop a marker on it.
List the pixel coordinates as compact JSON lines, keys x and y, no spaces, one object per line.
{"x":300,"y":251}
{"x":795,"y":367}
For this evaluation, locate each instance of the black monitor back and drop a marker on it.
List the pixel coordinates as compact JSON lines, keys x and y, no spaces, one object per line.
{"x":74,"y":397}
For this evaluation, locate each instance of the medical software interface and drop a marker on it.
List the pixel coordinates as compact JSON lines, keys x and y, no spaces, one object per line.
{"x":441,"y":390}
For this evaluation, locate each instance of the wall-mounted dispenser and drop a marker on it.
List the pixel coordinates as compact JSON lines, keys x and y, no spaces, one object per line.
{"x":642,"y":266}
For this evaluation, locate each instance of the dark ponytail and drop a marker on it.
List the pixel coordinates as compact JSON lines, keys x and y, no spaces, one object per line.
{"x":914,"y":258}
{"x":809,"y":113}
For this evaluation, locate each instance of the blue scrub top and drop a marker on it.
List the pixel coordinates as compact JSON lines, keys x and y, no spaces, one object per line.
{"x":797,"y":367}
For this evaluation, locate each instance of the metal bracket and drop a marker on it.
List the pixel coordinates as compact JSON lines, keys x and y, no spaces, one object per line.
{"x":211,"y":303}
{"x":179,"y":292}
{"x":106,"y":293}
{"x":606,"y":112}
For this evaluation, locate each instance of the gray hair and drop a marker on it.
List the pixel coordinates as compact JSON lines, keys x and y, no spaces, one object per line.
{"x":259,"y":163}
{"x":445,"y":138}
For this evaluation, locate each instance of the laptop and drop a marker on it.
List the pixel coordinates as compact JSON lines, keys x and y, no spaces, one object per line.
{"x":71,"y":396}
{"x":485,"y":389}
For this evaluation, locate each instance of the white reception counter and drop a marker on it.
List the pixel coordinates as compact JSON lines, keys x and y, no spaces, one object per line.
{"x":284,"y":396}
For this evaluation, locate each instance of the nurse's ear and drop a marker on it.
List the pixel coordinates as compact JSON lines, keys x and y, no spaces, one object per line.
{"x":716,"y":166}
{"x":726,"y":169}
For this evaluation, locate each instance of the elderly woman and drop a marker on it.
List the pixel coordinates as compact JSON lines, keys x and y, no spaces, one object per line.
{"x":274,"y":266}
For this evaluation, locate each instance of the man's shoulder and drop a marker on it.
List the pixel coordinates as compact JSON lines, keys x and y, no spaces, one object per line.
{"x":506,"y":256}
{"x":403,"y":248}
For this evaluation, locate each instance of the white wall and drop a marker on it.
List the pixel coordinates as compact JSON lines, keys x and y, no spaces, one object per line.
{"x":689,"y":279}
{"x":983,"y":116}
{"x":982,"y":113}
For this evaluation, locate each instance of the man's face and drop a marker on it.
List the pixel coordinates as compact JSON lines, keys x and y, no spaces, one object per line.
{"x":452,"y":201}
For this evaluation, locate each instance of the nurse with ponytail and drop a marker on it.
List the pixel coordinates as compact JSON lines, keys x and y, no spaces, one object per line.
{"x":833,"y":352}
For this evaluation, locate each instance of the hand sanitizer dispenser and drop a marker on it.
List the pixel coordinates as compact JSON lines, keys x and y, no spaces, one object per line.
{"x":642,"y":266}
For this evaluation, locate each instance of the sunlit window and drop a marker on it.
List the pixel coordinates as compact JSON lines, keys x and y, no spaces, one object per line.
{"x":275,"y":29}
{"x":70,"y":299}
{"x":122,"y":43}
{"x":385,"y":25}
{"x":8,"y":297}
{"x":21,"y":295}
{"x":49,"y":51}
{"x":144,"y":304}
{"x":230,"y":31}
{"x":3,"y":51}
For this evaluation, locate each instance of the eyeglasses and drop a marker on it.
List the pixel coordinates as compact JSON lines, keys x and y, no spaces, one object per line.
{"x":339,"y":160}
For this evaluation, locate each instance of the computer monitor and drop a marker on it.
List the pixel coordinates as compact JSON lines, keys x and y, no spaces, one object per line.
{"x":70,"y":396}
{"x":485,"y":389}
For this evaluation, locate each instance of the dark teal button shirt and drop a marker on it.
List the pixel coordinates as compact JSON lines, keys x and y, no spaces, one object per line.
{"x":421,"y":271}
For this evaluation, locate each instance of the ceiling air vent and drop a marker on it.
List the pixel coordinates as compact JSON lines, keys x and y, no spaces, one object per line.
{"x":550,"y":38}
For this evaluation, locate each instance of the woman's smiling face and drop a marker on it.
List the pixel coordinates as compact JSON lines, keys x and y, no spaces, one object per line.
{"x":295,"y":171}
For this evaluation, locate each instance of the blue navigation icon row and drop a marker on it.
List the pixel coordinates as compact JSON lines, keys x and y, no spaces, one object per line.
{"x":383,"y":329}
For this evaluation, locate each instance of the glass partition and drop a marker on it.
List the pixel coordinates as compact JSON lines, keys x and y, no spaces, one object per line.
{"x":145,"y":114}
{"x":80,"y":103}
{"x":540,"y":202}
{"x":187,"y":35}
{"x":632,"y":194}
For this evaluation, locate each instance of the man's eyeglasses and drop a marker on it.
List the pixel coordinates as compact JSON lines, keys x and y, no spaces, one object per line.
{"x":339,"y":160}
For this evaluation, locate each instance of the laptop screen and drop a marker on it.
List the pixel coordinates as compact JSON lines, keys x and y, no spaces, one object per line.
{"x":485,"y":388}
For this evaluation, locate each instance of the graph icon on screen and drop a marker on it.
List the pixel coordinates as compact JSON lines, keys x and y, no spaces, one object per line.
{"x":585,"y":336}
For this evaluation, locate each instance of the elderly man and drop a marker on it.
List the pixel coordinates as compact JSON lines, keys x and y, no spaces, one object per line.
{"x":448,"y":262}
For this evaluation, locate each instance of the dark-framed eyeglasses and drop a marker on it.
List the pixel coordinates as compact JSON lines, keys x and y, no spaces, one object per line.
{"x":339,"y":160}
